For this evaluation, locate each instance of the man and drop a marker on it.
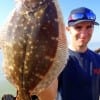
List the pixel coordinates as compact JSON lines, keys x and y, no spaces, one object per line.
{"x":80,"y":78}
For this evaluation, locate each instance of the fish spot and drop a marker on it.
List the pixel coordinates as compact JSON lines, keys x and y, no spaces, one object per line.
{"x":54,"y":38}
{"x":11,"y":68}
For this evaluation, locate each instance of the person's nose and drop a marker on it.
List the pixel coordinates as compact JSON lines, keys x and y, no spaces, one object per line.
{"x":84,"y":31}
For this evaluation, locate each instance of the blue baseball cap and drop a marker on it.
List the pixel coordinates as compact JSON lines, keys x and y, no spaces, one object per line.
{"x":80,"y":15}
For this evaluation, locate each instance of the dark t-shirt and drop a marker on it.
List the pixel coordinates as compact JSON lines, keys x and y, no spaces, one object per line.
{"x":80,"y":78}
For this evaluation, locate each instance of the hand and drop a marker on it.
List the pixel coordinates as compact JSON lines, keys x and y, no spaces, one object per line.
{"x":49,"y":93}
{"x":8,"y":97}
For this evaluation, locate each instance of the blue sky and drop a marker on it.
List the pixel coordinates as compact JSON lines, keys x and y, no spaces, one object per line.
{"x":66,"y":6}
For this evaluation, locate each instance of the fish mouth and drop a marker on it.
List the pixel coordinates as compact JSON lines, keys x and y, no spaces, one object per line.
{"x":33,"y":6}
{"x":31,"y":9}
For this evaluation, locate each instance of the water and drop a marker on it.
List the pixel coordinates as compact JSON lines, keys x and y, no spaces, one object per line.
{"x":5,"y":86}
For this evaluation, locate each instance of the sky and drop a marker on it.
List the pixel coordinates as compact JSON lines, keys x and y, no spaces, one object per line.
{"x":6,"y":6}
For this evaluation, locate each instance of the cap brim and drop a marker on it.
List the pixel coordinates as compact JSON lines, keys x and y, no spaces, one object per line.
{"x":79,"y":21}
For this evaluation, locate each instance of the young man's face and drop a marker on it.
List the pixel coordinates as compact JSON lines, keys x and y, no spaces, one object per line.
{"x":81,"y":33}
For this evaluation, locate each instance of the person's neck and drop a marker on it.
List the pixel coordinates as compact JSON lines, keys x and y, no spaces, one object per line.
{"x":80,"y":49}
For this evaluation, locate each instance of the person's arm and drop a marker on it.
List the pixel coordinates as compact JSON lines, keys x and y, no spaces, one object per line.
{"x":51,"y":92}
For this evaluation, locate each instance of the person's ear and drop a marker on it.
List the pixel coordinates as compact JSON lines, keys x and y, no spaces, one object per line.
{"x":67,"y":28}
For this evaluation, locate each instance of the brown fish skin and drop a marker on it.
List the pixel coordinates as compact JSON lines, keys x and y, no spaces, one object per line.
{"x":34,"y":47}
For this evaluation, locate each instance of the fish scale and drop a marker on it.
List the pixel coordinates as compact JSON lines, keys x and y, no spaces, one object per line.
{"x":34,"y":46}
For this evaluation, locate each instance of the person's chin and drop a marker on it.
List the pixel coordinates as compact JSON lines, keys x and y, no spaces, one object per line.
{"x":83,"y":44}
{"x":82,"y":41}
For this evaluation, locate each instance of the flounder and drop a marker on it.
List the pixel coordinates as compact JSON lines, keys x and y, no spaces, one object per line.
{"x":34,"y":46}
